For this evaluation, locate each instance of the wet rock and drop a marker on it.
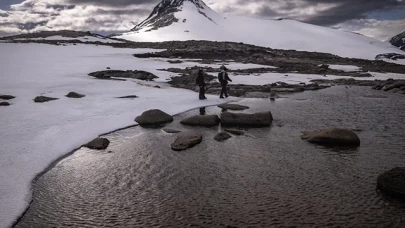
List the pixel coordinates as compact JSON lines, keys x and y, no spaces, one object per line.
{"x":333,"y":136}
{"x":154,"y":118}
{"x":135,"y":74}
{"x":157,"y":87}
{"x":75,"y":95}
{"x":171,"y":131}
{"x":392,"y":182}
{"x":129,"y":97}
{"x":234,"y":131}
{"x":42,"y":99}
{"x":202,"y":120}
{"x":235,"y":107}
{"x":6,"y":97}
{"x":174,"y":61}
{"x":186,"y":140}
{"x":98,"y":144}
{"x":261,"y":119}
{"x":222,"y":136}
{"x":4,"y":104}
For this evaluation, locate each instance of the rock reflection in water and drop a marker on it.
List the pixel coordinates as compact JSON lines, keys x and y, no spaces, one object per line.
{"x":266,"y":178}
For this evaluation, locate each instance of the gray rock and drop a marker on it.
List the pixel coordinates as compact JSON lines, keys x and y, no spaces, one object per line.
{"x":136,"y":74}
{"x":98,"y":144}
{"x":235,"y":107}
{"x":75,"y":95}
{"x":171,"y":131}
{"x":42,"y":99}
{"x":129,"y":97}
{"x":392,"y":182}
{"x":222,"y":136}
{"x":186,"y":140}
{"x":333,"y":136}
{"x":6,"y":97}
{"x":234,"y":131}
{"x":261,"y":119}
{"x":202,"y":120}
{"x":4,"y":104}
{"x":154,"y":118}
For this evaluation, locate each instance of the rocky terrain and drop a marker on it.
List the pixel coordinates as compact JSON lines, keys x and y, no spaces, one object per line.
{"x":399,"y":41}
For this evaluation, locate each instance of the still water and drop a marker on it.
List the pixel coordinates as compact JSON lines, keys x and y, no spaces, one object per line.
{"x":267,"y":178}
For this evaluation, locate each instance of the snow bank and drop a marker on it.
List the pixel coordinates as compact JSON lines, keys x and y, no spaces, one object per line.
{"x":83,"y":39}
{"x":34,"y":135}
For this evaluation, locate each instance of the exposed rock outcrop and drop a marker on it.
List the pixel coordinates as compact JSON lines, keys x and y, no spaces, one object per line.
{"x":171,"y":131}
{"x":393,"y":182}
{"x":6,"y":97}
{"x":154,"y":118}
{"x":98,"y":144}
{"x":261,"y":119}
{"x":135,"y":74}
{"x":222,"y":136}
{"x":234,"y":131}
{"x":202,"y":120}
{"x":75,"y":95}
{"x":234,"y":107}
{"x":4,"y":103}
{"x":42,"y":99}
{"x":333,"y":137}
{"x":186,"y":140}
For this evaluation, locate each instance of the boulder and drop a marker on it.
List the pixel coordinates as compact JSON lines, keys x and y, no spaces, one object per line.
{"x":186,"y":140}
{"x":202,"y":120}
{"x":234,"y":131}
{"x":75,"y":95}
{"x":235,"y":107}
{"x":333,"y":136}
{"x":171,"y":131}
{"x":98,"y":144}
{"x":261,"y":119}
{"x":135,"y":74}
{"x":6,"y":97}
{"x":4,"y":104}
{"x":42,"y":99}
{"x":222,"y":136}
{"x":392,"y":182}
{"x":153,"y":118}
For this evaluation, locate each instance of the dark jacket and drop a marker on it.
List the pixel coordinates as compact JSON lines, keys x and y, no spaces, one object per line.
{"x":200,"y":79}
{"x":223,"y":78}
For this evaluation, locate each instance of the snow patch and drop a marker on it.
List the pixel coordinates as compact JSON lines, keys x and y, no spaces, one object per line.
{"x":345,"y":68}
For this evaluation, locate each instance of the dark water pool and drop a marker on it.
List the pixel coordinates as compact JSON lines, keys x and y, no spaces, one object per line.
{"x":267,"y":178}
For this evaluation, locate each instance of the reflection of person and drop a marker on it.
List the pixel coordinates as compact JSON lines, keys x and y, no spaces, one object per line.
{"x":201,"y":83}
{"x":223,"y":79}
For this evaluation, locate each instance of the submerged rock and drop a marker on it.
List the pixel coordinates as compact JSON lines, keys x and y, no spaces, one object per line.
{"x":75,"y":95}
{"x":234,"y":131}
{"x":171,"y":131}
{"x":98,"y":144}
{"x":202,"y":120}
{"x":153,"y":118}
{"x":6,"y":97}
{"x":392,"y":182}
{"x":235,"y":107}
{"x":4,"y":104}
{"x":42,"y":99}
{"x":333,"y":136}
{"x":186,"y":140}
{"x":222,"y":136}
{"x":261,"y":119}
{"x":129,"y":97}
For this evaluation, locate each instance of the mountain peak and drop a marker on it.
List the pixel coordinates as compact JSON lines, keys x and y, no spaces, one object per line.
{"x":163,"y":14}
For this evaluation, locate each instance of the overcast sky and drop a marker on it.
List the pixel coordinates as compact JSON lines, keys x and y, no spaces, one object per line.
{"x":381,"y":19}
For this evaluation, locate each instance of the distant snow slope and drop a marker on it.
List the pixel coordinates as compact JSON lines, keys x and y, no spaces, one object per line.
{"x":192,"y":22}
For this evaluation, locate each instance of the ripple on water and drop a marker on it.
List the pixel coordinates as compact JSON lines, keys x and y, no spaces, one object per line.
{"x":267,"y":178}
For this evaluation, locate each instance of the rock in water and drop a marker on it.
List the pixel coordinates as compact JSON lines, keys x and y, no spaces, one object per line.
{"x":392,"y":182}
{"x":154,"y":118}
{"x":202,"y":120}
{"x":333,"y":136}
{"x":129,"y":97}
{"x":171,"y":131}
{"x":42,"y":99}
{"x":186,"y":140}
{"x":222,"y":136}
{"x":234,"y":131}
{"x":235,"y":107}
{"x":6,"y":97}
{"x":98,"y":144}
{"x":4,"y":104}
{"x":75,"y":95}
{"x":261,"y":119}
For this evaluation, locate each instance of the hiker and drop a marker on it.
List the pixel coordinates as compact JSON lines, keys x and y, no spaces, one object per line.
{"x":201,"y":83}
{"x":223,"y":79}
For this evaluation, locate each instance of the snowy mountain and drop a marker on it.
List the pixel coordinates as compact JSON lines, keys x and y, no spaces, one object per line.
{"x":398,"y":41}
{"x":194,"y":20}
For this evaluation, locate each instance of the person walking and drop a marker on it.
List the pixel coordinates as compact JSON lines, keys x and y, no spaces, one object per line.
{"x":223,"y":78}
{"x":201,"y":84}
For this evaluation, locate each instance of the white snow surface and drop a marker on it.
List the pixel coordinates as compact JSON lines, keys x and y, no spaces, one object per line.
{"x":278,"y":34}
{"x":346,"y":68}
{"x":34,"y":135}
{"x":82,"y":38}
